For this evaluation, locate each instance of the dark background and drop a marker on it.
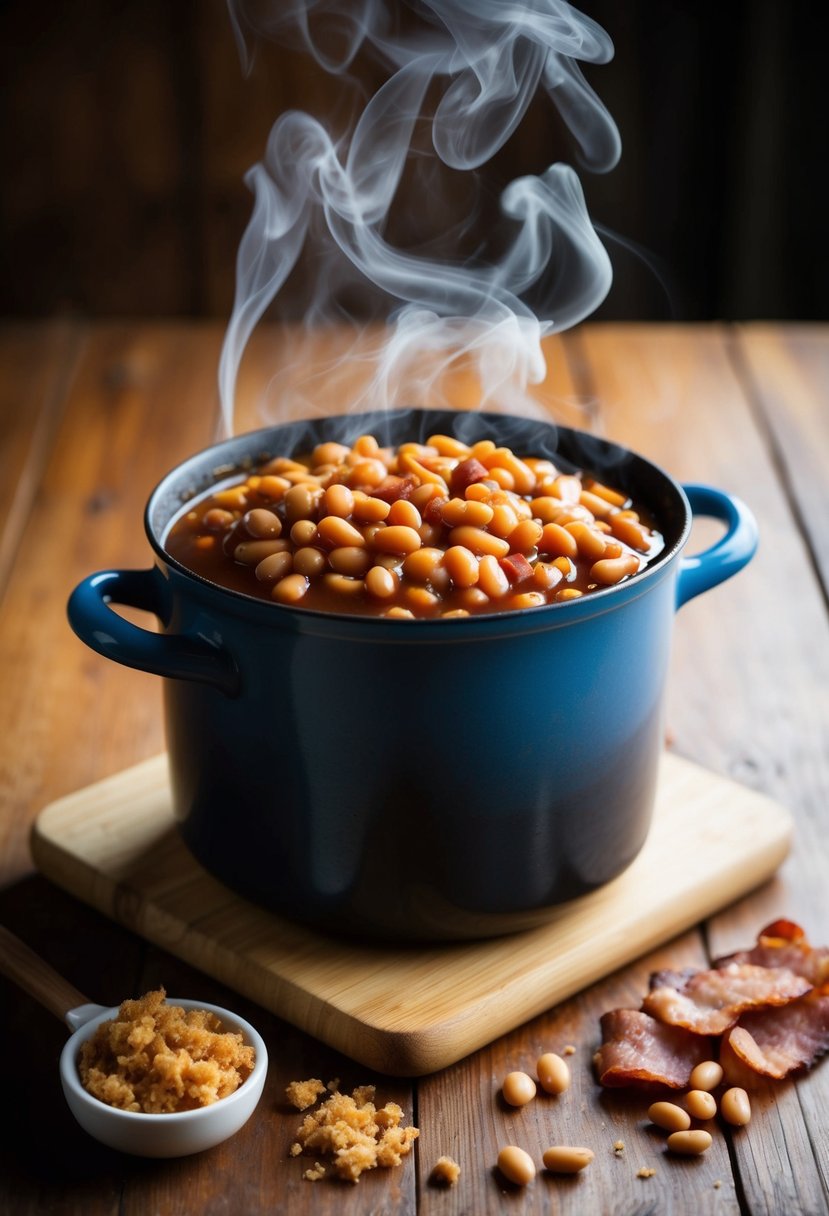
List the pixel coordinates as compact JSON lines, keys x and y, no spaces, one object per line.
{"x":126,"y":129}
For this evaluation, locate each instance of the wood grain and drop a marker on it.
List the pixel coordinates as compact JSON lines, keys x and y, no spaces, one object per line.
{"x":139,"y":400}
{"x":407,"y":1012}
{"x":767,"y":724}
{"x":461,"y":1113}
{"x":34,"y":975}
{"x":741,"y":409}
{"x":786,"y":371}
{"x":684,"y":403}
{"x":37,"y":363}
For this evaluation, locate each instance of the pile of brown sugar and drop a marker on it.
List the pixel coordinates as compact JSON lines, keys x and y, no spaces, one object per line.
{"x":159,"y":1058}
{"x":350,"y":1129}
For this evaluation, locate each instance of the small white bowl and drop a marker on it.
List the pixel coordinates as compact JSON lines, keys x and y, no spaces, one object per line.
{"x":164,"y":1135}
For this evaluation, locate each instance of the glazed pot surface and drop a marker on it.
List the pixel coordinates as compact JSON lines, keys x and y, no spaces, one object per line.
{"x":414,"y":779}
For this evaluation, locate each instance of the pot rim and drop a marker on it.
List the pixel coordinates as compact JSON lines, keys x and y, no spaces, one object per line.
{"x":543,"y":616}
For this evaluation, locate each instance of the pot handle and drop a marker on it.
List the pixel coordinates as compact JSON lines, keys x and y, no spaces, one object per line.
{"x":701,"y":571}
{"x":174,"y":656}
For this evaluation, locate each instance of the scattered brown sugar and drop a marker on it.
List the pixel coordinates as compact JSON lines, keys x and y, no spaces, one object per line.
{"x":353,"y":1131}
{"x":157,"y":1058}
{"x":569,"y":1050}
{"x":316,"y":1172}
{"x":619,"y":1147}
{"x":645,"y":1172}
{"x":446,"y":1172}
{"x":303,"y":1094}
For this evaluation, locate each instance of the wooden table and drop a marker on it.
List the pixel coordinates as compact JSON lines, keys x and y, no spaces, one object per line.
{"x":92,"y":416}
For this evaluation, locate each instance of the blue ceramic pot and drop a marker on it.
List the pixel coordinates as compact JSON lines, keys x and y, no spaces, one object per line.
{"x":418,"y":779}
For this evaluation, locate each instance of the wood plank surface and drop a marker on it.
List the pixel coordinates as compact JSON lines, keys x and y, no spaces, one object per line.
{"x":767,"y":722}
{"x":37,"y":362}
{"x":139,"y":400}
{"x":741,"y":409}
{"x":786,"y":374}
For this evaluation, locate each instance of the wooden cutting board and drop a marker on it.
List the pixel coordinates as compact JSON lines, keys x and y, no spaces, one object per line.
{"x":407,"y":1011}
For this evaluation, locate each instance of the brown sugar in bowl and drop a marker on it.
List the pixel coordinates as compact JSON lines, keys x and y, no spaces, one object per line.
{"x":163,"y":1133}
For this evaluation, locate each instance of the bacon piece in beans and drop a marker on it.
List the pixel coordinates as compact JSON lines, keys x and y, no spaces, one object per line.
{"x":638,"y":1050}
{"x":784,"y":944}
{"x":466,"y":474}
{"x":776,"y":1042}
{"x":516,"y":567}
{"x":393,"y":488}
{"x":432,"y":511}
{"x":710,"y":1002}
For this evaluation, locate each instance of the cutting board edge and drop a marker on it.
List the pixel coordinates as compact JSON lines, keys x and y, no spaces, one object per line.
{"x":119,"y":903}
{"x":443,"y":1043}
{"x":380,"y":1046}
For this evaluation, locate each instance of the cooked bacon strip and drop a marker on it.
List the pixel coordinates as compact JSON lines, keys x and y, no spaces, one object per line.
{"x":671,"y":979}
{"x":769,"y":1007}
{"x":784,"y":944}
{"x":775,"y":1043}
{"x":785,"y":930}
{"x":710,"y":1002}
{"x":638,"y":1050}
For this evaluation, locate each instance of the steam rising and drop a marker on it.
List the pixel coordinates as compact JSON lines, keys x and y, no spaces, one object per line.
{"x":487,"y":59}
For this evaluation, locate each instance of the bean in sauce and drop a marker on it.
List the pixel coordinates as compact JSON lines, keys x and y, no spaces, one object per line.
{"x":429,"y":529}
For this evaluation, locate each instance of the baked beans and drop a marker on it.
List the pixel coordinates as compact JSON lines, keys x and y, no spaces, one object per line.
{"x":422,"y":530}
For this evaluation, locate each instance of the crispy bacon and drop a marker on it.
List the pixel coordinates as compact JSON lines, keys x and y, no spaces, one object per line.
{"x":670,"y":979}
{"x":776,"y":1043}
{"x":639,"y":1050}
{"x":710,"y":1002}
{"x":784,"y":944}
{"x":466,"y":474}
{"x":783,"y":930}
{"x":768,"y":1006}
